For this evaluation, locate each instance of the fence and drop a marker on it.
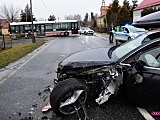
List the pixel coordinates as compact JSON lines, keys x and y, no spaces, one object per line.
{"x":5,"y":43}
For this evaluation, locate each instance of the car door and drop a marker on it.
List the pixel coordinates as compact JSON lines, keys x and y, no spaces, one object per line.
{"x":125,"y":34}
{"x":119,"y":34}
{"x":122,"y":34}
{"x":82,"y":30}
{"x":143,"y":82}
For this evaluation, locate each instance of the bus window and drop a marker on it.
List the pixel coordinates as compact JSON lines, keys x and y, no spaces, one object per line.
{"x":69,"y":26}
{"x":49,"y":27}
{"x":64,"y":25}
{"x":21,"y":31}
{"x":27,"y":28}
{"x":17,"y":29}
{"x":55,"y":26}
{"x":12,"y":29}
{"x":76,"y":26}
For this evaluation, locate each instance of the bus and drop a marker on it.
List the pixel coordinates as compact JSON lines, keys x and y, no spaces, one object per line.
{"x":44,"y":28}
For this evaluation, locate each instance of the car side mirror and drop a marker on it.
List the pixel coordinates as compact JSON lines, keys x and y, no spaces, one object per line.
{"x":138,"y":65}
{"x":137,"y":75}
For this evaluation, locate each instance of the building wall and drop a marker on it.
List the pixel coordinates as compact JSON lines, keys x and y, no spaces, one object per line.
{"x":4,"y":31}
{"x":137,"y":13}
{"x":103,"y":12}
{"x":100,"y":23}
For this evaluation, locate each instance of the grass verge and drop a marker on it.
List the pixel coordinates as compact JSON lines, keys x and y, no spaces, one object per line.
{"x":12,"y":54}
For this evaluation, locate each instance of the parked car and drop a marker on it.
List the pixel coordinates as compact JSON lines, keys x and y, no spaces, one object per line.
{"x":86,"y":31}
{"x":128,"y":32}
{"x":133,"y":68}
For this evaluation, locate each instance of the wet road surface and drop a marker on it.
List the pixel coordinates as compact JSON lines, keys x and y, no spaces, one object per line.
{"x":26,"y":91}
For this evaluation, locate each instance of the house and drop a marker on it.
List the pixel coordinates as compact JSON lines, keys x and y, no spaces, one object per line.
{"x":144,"y":4}
{"x":4,"y":23}
{"x":103,"y":10}
{"x":100,"y":21}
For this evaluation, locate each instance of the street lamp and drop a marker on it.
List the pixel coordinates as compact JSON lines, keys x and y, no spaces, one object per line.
{"x":33,"y":38}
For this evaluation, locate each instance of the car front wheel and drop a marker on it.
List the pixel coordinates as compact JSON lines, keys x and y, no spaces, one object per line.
{"x":68,"y":97}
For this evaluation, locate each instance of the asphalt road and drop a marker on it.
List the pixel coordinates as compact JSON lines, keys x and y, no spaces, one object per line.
{"x":24,"y":87}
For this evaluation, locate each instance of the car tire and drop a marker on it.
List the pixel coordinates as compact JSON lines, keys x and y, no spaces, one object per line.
{"x":66,"y":34}
{"x":117,"y":42}
{"x":63,"y":92}
{"x":129,"y":38}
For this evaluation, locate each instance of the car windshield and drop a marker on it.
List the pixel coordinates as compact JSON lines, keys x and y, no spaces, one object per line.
{"x":130,"y":45}
{"x":134,"y":29}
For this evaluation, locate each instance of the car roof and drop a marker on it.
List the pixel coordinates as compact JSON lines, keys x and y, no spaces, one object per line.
{"x":149,"y":21}
{"x":153,"y":31}
{"x":132,"y":28}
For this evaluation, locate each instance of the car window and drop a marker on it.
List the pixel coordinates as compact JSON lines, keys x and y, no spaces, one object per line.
{"x":134,"y":29}
{"x":151,"y":58}
{"x":129,"y":46}
{"x":126,"y":30}
{"x":122,"y":29}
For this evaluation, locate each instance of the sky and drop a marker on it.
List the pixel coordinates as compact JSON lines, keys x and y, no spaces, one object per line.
{"x":61,"y":8}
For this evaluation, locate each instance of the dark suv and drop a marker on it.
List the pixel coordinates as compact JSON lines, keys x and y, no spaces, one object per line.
{"x":133,"y":67}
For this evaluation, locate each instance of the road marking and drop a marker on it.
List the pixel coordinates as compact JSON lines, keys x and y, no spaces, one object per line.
{"x":62,"y":55}
{"x":145,"y":114}
{"x":85,"y":44}
{"x":100,"y":36}
{"x":82,"y":41}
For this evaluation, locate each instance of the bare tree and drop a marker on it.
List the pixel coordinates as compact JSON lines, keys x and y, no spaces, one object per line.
{"x":9,"y":12}
{"x":73,"y":17}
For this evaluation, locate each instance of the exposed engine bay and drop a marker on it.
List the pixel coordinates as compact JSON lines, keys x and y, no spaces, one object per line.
{"x":103,"y":81}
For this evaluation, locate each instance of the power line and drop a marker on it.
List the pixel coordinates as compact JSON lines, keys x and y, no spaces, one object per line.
{"x":46,"y":7}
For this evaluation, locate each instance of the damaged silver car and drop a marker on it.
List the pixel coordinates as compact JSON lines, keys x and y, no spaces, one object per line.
{"x":102,"y":72}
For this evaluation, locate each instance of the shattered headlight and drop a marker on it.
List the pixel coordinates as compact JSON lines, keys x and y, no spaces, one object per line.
{"x":113,"y":72}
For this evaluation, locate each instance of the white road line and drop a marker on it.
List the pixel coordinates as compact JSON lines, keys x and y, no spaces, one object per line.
{"x":82,"y":41}
{"x":85,"y":44}
{"x":145,"y":114}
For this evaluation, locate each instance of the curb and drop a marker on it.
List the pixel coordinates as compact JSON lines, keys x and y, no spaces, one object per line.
{"x":10,"y":69}
{"x":103,"y":36}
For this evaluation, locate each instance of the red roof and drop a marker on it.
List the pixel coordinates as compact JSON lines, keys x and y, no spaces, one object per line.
{"x":147,"y":3}
{"x":104,"y":7}
{"x":5,"y":22}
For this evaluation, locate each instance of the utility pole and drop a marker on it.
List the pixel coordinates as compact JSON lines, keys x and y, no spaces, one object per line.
{"x":26,"y":16}
{"x":33,"y":38}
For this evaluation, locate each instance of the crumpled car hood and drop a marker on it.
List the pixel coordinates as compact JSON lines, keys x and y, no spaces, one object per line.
{"x":89,"y":57}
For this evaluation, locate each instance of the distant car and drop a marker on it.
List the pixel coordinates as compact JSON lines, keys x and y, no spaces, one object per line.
{"x":86,"y":31}
{"x":125,"y":33}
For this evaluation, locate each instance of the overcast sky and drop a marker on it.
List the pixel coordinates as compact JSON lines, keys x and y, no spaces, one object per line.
{"x":60,"y":8}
